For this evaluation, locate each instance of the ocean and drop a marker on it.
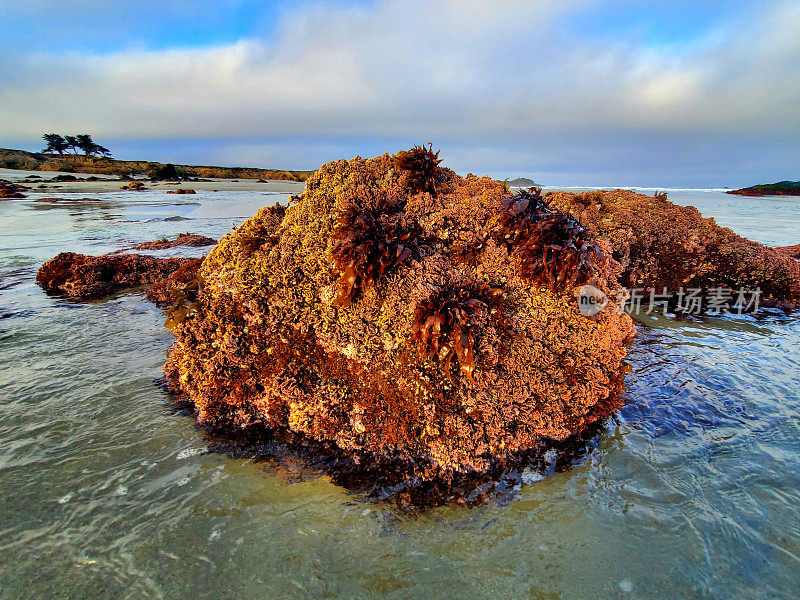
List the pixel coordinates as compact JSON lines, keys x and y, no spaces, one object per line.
{"x":108,"y":489}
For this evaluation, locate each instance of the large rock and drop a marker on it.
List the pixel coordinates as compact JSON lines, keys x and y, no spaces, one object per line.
{"x":399,"y":311}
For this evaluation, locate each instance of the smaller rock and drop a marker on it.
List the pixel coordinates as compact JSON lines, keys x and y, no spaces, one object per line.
{"x":181,"y":191}
{"x":135,"y":186}
{"x":183,"y":239}
{"x":11,"y":190}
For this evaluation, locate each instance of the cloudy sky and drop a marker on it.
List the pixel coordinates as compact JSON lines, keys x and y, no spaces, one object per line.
{"x":569,"y":92}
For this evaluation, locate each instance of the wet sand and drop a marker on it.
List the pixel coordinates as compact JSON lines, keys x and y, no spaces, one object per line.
{"x":108,"y":183}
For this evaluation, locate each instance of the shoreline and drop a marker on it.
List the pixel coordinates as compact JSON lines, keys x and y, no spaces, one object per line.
{"x":44,"y":184}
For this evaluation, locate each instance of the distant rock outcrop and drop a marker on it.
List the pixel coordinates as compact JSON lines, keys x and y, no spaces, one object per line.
{"x":522,"y":182}
{"x":183,"y":239}
{"x":166,"y":172}
{"x":782,"y":188}
{"x":77,"y":163}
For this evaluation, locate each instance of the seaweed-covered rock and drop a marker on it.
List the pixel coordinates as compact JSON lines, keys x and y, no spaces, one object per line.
{"x":660,"y":244}
{"x":182,"y":191}
{"x":165,"y":291}
{"x":398,"y":316}
{"x":82,"y":277}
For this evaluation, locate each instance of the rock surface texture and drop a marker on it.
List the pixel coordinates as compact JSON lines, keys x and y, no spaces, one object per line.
{"x":793,"y":251}
{"x":400,"y":312}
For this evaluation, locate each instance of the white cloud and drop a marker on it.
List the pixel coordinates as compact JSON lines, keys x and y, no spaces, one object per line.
{"x":424,"y":70}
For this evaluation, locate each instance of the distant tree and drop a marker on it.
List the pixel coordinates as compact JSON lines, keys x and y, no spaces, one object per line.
{"x":55,"y":143}
{"x":84,"y":142}
{"x":72,"y":143}
{"x":101,"y":150}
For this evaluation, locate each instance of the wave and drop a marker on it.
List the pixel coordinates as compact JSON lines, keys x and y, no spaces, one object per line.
{"x":635,"y":188}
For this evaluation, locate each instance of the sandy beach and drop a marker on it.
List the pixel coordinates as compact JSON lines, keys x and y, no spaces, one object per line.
{"x":44,"y":184}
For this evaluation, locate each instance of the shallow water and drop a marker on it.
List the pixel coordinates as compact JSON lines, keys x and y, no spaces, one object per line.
{"x":691,"y":491}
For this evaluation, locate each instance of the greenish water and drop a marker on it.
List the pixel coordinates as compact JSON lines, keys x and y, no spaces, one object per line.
{"x":108,"y":491}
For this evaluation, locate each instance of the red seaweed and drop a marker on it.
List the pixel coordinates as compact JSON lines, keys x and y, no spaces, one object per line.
{"x":549,"y":247}
{"x":422,"y":166}
{"x":442,"y":327}
{"x":363,"y":250}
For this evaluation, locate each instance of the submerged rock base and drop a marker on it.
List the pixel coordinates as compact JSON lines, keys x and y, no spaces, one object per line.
{"x":421,"y":324}
{"x":396,"y":481}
